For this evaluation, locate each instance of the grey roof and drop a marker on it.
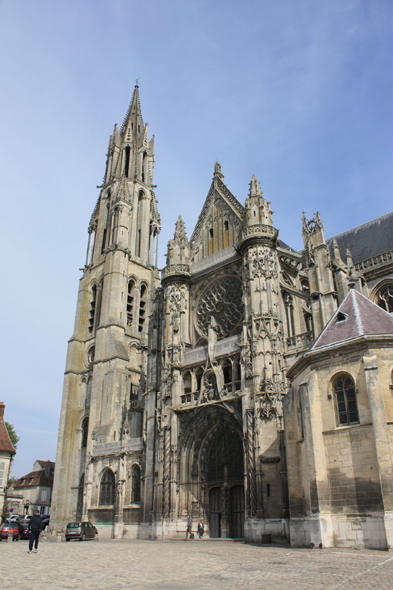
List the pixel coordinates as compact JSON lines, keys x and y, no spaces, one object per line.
{"x":367,"y":240}
{"x":356,"y":316}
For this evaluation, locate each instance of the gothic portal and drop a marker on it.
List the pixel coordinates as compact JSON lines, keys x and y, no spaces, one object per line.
{"x":194,"y":393}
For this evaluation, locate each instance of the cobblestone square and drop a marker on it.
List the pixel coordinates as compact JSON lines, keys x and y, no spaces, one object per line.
{"x":178,"y":565}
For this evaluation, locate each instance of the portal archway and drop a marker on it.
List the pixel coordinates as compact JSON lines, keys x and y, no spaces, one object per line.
{"x":212,"y":464}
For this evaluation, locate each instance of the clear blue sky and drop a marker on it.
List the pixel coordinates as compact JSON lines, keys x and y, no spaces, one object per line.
{"x":297,"y":93}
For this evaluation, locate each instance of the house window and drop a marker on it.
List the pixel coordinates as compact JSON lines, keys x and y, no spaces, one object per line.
{"x":2,"y":473}
{"x":107,"y":488}
{"x":44,"y":495}
{"x":344,"y":388}
{"x":85,"y":429}
{"x":136,"y":485}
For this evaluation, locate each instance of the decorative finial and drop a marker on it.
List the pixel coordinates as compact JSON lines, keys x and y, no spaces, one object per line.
{"x":217,"y":171}
{"x":136,"y":81}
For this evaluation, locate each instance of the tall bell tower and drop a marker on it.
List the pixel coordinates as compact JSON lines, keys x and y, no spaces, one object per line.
{"x":102,"y":415}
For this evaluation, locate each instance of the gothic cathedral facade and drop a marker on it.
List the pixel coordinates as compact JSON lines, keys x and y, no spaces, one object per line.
{"x":176,"y":389}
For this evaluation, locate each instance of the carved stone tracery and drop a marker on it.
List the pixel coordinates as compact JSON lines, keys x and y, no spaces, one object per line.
{"x":223,"y":301}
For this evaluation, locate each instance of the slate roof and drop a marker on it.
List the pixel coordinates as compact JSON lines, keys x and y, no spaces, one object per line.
{"x":367,"y":240}
{"x":356,"y":316}
{"x":34,"y":478}
{"x":5,"y":441}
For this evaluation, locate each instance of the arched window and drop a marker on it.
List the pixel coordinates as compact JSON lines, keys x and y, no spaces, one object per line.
{"x":187,"y":382}
{"x":385,"y":298}
{"x":104,"y":234}
{"x":140,"y":220}
{"x":199,"y":375}
{"x":126,"y":160}
{"x":80,"y":492}
{"x":85,"y":430}
{"x":144,"y":167}
{"x":136,"y":485}
{"x":211,"y":241}
{"x":92,"y":311}
{"x":227,"y":241}
{"x":107,"y":488}
{"x":344,"y":388}
{"x":142,"y":307}
{"x":288,"y":302}
{"x":130,"y":303}
{"x":227,"y":370}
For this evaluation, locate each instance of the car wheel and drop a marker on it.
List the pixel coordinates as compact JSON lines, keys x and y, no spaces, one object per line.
{"x":83,"y":537}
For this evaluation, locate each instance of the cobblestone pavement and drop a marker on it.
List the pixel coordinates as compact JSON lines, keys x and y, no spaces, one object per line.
{"x":174,"y":565}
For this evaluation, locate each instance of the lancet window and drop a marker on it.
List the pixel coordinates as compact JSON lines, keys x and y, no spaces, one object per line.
{"x":228,"y":374}
{"x":144,"y":167}
{"x":107,"y":488}
{"x":288,"y":302}
{"x":85,"y":430}
{"x":136,"y":485}
{"x":92,"y":311}
{"x":199,"y":375}
{"x":80,"y":492}
{"x":130,"y":302}
{"x":126,"y":160}
{"x":344,"y":388}
{"x":385,"y":298}
{"x":142,"y":307}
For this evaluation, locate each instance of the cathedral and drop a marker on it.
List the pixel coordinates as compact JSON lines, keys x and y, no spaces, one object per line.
{"x":246,"y":384}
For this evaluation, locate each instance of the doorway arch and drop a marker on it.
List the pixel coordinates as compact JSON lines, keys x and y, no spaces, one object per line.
{"x":212,"y":463}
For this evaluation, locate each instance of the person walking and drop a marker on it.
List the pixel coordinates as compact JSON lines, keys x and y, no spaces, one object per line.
{"x":188,"y":529}
{"x":35,"y":527}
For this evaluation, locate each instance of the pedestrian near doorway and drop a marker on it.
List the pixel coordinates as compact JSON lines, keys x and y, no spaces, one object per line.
{"x":201,"y":529}
{"x":188,"y":529}
{"x":35,"y":527}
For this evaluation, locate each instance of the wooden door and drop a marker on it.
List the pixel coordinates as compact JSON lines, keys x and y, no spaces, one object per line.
{"x":215,"y":512}
{"x":237,"y":512}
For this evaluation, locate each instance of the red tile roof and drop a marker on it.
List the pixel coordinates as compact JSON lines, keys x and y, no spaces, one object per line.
{"x":5,"y":441}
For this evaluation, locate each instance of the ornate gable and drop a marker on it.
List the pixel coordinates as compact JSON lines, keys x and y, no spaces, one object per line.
{"x":219,"y":223}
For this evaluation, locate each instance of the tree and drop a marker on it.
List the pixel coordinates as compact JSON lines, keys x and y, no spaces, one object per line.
{"x":12,"y":434}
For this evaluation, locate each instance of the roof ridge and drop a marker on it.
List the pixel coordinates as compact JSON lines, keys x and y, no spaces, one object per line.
{"x":360,"y":225}
{"x":357,"y":313}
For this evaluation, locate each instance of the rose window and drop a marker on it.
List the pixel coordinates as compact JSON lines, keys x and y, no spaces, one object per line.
{"x":223,"y":301}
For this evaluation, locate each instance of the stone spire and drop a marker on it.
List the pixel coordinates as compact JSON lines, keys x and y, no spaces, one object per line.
{"x":258,"y":210}
{"x":178,"y":247}
{"x":180,"y":236}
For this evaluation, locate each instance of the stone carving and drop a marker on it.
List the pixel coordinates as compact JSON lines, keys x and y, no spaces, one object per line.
{"x":270,"y":403}
{"x":125,"y":428}
{"x":90,"y":355}
{"x":223,"y":301}
{"x":252,"y":487}
{"x":260,"y":262}
{"x":176,"y":298}
{"x":167,"y":468}
{"x":209,"y":388}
